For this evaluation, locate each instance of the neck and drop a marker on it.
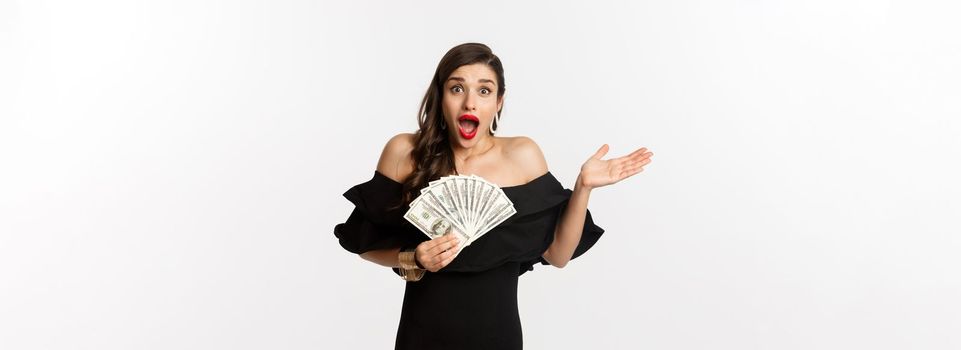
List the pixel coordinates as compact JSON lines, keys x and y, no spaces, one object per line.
{"x":462,"y":154}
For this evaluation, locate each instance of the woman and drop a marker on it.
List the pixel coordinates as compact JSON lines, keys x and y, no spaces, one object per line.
{"x":468,"y":299}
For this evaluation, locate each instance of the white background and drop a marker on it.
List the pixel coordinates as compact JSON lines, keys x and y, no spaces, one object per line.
{"x":171,"y":171}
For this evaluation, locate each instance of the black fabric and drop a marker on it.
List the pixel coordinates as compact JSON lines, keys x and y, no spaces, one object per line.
{"x":471,"y":302}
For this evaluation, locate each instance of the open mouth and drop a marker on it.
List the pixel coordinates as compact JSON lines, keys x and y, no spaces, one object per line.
{"x":467,"y":125}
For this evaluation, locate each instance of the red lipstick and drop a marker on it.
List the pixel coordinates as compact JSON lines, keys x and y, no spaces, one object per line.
{"x":468,"y":124}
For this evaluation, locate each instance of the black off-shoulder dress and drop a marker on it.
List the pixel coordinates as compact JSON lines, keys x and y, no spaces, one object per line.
{"x":472,"y":302}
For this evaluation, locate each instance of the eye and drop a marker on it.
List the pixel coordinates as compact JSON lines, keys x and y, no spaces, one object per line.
{"x":456,"y":88}
{"x":485,"y":91}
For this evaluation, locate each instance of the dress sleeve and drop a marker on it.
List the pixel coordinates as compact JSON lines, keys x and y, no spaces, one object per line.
{"x":550,"y":212}
{"x":377,"y":219}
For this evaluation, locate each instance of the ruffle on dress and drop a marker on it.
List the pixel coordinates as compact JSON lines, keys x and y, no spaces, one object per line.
{"x":378,"y":223}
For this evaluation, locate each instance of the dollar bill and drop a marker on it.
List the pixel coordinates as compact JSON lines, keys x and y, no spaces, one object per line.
{"x":468,"y":204}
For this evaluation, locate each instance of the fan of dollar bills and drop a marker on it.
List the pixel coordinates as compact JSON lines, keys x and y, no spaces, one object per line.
{"x":469,"y":204}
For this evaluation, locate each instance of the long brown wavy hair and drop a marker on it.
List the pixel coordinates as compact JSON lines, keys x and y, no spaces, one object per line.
{"x":432,"y":153}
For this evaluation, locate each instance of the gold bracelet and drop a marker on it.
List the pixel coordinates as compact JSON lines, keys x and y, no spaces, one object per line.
{"x":407,"y":260}
{"x":408,"y":266}
{"x":411,"y":275}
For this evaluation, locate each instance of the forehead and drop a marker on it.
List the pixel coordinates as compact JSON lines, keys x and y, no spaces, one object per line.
{"x":473,"y":73}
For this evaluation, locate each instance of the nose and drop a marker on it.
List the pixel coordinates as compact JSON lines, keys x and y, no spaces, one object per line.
{"x":469,"y":102}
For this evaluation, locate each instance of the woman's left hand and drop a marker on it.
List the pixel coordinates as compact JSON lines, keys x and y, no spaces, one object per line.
{"x":597,"y":172}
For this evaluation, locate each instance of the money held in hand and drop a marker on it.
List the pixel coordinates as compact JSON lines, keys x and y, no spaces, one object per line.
{"x":470,"y":205}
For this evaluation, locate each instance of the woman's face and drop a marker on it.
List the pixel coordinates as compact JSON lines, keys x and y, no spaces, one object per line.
{"x":470,"y":103}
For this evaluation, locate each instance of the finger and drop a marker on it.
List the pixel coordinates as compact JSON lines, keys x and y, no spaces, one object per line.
{"x":634,"y":156}
{"x":451,"y":244}
{"x":638,"y":151}
{"x":444,"y":245}
{"x":454,"y":238}
{"x":438,"y":259}
{"x":448,"y":259}
{"x":631,"y":171}
{"x":601,"y":152}
{"x":637,"y":162}
{"x":428,"y":246}
{"x":444,"y":263}
{"x":627,"y":160}
{"x":639,"y":154}
{"x":441,"y":239}
{"x":447,"y":237}
{"x":640,"y":162}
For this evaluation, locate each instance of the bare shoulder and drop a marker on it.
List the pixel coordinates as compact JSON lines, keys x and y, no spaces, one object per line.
{"x":395,"y":161}
{"x":525,"y":155}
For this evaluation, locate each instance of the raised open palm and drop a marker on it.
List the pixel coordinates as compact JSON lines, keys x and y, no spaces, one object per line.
{"x":597,"y":172}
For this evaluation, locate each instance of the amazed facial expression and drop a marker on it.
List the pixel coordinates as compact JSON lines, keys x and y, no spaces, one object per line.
{"x":470,"y":103}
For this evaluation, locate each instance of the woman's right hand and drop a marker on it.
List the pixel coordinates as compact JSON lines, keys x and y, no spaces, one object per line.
{"x":436,"y":253}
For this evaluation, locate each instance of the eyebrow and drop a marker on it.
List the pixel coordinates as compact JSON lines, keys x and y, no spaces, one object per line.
{"x":478,"y":80}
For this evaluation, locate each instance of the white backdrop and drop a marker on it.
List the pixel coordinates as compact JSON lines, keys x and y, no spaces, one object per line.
{"x":171,"y":171}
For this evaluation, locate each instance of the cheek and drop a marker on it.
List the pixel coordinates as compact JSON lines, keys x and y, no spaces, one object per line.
{"x":451,"y":106}
{"x":447,"y":112}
